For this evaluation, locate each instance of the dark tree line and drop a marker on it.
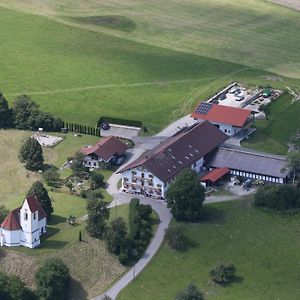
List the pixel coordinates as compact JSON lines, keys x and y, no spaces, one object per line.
{"x":26,"y":114}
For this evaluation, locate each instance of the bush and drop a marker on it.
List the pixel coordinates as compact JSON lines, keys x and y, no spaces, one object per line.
{"x":97,"y":180}
{"x":281,"y":198}
{"x":83,"y":194}
{"x":116,"y":235}
{"x":175,"y":237}
{"x":52,"y":177}
{"x":190,"y":293}
{"x":223,"y":273}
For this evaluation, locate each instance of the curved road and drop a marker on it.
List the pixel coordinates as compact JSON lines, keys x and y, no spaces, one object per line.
{"x":142,"y":144}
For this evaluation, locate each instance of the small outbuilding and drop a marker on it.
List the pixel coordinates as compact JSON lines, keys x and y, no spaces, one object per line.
{"x":213,"y":176}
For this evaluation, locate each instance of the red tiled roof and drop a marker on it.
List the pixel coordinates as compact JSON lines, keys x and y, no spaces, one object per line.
{"x":180,"y":151}
{"x":12,"y":222}
{"x":35,"y":205}
{"x":106,"y":148}
{"x":215,"y":174}
{"x":224,"y":114}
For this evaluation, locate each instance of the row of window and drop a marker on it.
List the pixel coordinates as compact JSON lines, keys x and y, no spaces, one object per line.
{"x":256,"y":176}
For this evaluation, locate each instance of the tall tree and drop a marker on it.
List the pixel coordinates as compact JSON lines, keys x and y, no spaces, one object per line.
{"x":185,"y":196}
{"x":98,"y":214}
{"x":3,"y":213}
{"x":77,"y":164}
{"x":294,"y":163}
{"x":23,"y":108}
{"x":11,"y":288}
{"x":5,"y":113}
{"x":52,"y":280}
{"x":190,"y":293}
{"x":31,"y":153}
{"x":42,"y":195}
{"x":116,"y":235}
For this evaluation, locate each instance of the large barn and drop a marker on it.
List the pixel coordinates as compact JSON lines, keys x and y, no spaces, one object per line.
{"x":151,"y":173}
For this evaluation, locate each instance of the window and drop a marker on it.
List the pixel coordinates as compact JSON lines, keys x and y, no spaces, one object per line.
{"x":150,"y":176}
{"x":25,"y":216}
{"x":158,"y":185}
{"x":34,"y":216}
{"x":133,"y":172}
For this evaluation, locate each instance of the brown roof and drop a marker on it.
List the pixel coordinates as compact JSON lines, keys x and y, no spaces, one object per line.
{"x":221,"y":114}
{"x":12,"y":222}
{"x":35,"y":205}
{"x":180,"y":151}
{"x":106,"y":148}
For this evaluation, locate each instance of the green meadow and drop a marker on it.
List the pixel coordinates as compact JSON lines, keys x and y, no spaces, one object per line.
{"x":264,"y":247}
{"x":142,"y":60}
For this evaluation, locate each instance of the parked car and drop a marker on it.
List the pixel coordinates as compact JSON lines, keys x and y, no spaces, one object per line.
{"x":233,"y":89}
{"x":222,"y":97}
{"x":240,"y":98}
{"x":105,"y":126}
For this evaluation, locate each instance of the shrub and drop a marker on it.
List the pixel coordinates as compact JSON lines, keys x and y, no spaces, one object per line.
{"x":3,"y":213}
{"x":223,"y":273}
{"x":116,"y":235}
{"x":175,"y":237}
{"x":52,"y":177}
{"x":190,"y":293}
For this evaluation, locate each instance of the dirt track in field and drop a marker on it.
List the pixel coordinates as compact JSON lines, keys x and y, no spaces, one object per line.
{"x":295,"y":4}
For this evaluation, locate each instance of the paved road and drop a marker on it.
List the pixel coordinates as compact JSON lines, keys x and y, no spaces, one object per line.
{"x":163,"y":212}
{"x":165,"y":218}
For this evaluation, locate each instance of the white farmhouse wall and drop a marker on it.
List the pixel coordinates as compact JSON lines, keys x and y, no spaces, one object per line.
{"x":94,"y":163}
{"x":197,"y":166}
{"x":141,"y":181}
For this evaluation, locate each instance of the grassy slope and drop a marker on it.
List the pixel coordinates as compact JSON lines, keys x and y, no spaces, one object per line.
{"x":263,"y":247}
{"x":273,"y":134}
{"x":14,"y":182}
{"x":215,"y":28}
{"x":73,"y":58}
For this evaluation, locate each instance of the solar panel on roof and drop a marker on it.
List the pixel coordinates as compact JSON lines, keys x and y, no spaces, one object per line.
{"x":203,"y":108}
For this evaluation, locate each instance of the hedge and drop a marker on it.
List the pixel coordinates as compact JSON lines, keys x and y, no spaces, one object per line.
{"x":133,"y":212}
{"x":82,"y":129}
{"x":119,"y":121}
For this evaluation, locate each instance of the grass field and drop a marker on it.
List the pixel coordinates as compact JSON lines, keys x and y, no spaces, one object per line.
{"x":264,"y":248}
{"x":15,"y":180}
{"x":273,"y":135}
{"x":154,"y":72}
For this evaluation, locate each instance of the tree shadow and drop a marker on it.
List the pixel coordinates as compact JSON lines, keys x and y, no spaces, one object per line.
{"x":235,"y":280}
{"x":76,"y":291}
{"x":55,"y":219}
{"x":213,"y":215}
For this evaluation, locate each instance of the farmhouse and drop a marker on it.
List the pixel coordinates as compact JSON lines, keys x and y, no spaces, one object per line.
{"x":230,"y":120}
{"x":249,"y":164}
{"x":24,"y":225}
{"x":151,"y":173}
{"x":107,"y":150}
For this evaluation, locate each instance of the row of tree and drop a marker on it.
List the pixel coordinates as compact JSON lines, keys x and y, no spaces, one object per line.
{"x":52,"y":280}
{"x":129,"y":247}
{"x":82,"y":129}
{"x":26,"y":114}
{"x":281,"y":198}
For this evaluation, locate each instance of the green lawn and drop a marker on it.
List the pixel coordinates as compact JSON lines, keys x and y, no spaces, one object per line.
{"x":177,"y":55}
{"x":68,"y":147}
{"x":273,"y":135}
{"x":263,"y":246}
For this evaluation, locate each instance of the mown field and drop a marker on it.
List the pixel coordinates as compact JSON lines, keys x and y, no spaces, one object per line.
{"x":142,"y":60}
{"x":263,"y":246}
